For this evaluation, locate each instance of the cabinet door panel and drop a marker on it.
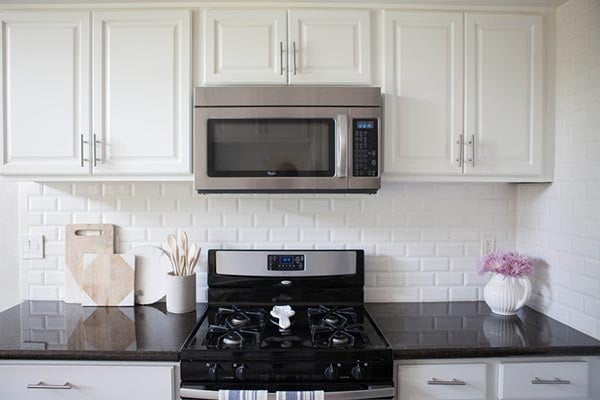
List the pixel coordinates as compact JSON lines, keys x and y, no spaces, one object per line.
{"x":504,"y":81}
{"x":142,"y":92}
{"x":424,"y":93}
{"x":331,"y":47}
{"x":45,"y":62}
{"x":245,"y":46}
{"x":90,"y":382}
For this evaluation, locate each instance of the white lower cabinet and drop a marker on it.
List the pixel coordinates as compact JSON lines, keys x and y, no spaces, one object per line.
{"x":446,"y":381}
{"x":540,"y":380}
{"x":93,"y":381}
{"x":511,"y":378}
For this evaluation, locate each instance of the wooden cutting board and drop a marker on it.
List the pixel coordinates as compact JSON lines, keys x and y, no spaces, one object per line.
{"x":108,"y":279}
{"x":82,"y":239}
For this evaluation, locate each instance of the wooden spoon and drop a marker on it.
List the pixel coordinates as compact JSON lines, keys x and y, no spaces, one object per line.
{"x":174,"y":253}
{"x":191,"y":258}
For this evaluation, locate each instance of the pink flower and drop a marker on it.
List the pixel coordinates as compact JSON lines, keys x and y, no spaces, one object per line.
{"x":507,"y":263}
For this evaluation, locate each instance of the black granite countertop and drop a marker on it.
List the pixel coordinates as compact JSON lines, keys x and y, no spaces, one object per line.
{"x":60,"y":331}
{"x":470,"y":329}
{"x":56,"y":330}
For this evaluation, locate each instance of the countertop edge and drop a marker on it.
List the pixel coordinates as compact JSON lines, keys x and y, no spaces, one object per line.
{"x":92,"y":355}
{"x":500,"y":352}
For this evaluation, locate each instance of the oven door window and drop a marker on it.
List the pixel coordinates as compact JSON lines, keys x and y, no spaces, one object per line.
{"x":271,"y":147}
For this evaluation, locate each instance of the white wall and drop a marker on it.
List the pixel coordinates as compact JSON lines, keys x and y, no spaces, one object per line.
{"x":422,"y":240}
{"x":9,"y":230}
{"x":560,"y":223}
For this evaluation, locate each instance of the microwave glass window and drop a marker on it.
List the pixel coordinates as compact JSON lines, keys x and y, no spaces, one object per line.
{"x":270,"y":147}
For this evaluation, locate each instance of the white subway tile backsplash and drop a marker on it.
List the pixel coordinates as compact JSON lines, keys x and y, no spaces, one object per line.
{"x":413,"y":251}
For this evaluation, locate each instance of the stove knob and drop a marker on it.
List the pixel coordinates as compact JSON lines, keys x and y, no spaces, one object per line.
{"x":331,"y":372}
{"x":242,"y":372}
{"x":358,"y":372}
{"x":214,"y":371}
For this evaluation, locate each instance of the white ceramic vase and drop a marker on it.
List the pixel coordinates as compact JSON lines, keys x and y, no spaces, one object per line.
{"x":505,"y":295}
{"x":181,"y":293}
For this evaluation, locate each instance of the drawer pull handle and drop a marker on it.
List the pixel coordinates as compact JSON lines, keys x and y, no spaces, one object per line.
{"x":453,"y":382}
{"x":42,"y":385}
{"x":555,"y":381}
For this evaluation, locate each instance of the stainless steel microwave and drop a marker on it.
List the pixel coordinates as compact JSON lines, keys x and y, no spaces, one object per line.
{"x":287,"y":139}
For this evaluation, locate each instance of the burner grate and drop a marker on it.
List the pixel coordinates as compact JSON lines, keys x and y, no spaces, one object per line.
{"x":336,"y":328}
{"x":235,"y":328}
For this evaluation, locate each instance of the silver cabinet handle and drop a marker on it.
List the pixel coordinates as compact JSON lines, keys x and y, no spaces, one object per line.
{"x":294,"y":57}
{"x":82,"y":142}
{"x":453,"y":382}
{"x":341,"y":148}
{"x":555,"y":381}
{"x":95,"y":151}
{"x":460,"y":144}
{"x":281,"y":58}
{"x":472,"y":144}
{"x":42,"y":385}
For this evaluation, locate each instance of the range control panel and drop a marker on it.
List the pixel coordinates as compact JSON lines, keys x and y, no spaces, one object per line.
{"x":365,"y":144}
{"x":285,"y":262}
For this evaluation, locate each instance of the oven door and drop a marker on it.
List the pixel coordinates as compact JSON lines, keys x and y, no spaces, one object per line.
{"x":372,"y":392}
{"x":271,"y":149}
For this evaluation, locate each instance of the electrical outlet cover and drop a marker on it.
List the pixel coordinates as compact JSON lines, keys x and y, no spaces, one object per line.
{"x":31,"y":246}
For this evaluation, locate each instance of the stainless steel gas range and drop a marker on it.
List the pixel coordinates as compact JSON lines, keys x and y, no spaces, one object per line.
{"x":287,"y":321}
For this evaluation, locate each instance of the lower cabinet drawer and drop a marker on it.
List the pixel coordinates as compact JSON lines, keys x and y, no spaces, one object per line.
{"x":442,"y":382}
{"x":90,"y":382}
{"x":543,"y":380}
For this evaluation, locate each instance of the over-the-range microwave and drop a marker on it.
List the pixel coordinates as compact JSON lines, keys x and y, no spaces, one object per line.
{"x":287,"y":139}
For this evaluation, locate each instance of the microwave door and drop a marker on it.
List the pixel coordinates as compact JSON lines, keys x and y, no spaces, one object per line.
{"x":254,"y":149}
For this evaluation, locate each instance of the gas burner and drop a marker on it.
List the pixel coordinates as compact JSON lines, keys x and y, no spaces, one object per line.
{"x":332,"y":317}
{"x":349,"y":336}
{"x":235,"y":328}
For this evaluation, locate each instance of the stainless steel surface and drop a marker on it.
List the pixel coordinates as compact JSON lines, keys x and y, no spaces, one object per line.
{"x":453,"y":382}
{"x":95,"y":150}
{"x":555,"y":381}
{"x":460,"y":145}
{"x":472,"y":144}
{"x":371,"y":393}
{"x":203,"y":182}
{"x":82,"y":142}
{"x":341,"y":148}
{"x":317,"y":263}
{"x":283,"y":96}
{"x":42,"y":385}
{"x":294,"y":55}
{"x":367,"y":182}
{"x":281,"y":58}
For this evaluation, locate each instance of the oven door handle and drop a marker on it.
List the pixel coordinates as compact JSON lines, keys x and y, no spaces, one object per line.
{"x":377,"y":392}
{"x":341,"y":146}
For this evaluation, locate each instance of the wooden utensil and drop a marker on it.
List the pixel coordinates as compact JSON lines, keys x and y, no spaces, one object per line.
{"x":81,"y":239}
{"x":174,"y":253}
{"x":191,"y":257}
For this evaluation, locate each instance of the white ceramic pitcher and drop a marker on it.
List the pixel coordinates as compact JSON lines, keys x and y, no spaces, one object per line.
{"x":505,"y":295}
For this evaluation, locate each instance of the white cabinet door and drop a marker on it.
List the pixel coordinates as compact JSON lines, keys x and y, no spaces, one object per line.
{"x":504,"y":92}
{"x":45,"y":86}
{"x":142,"y":92}
{"x":87,"y":381}
{"x":245,"y":46}
{"x":330,"y":46}
{"x":424,"y":93}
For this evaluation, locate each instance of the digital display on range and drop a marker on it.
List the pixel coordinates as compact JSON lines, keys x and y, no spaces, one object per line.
{"x":285,"y":262}
{"x":286,"y":259}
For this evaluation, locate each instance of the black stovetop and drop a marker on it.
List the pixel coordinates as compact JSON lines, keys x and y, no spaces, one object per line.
{"x":251,"y":329}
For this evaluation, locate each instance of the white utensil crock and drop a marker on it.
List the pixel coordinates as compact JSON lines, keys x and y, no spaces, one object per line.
{"x":181,"y":293}
{"x":505,"y":295}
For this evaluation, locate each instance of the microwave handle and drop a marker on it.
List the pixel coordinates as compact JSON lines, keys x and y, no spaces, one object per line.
{"x":341,"y":149}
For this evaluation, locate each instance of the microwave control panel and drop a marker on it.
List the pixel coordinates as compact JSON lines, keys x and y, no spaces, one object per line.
{"x":364,"y":148}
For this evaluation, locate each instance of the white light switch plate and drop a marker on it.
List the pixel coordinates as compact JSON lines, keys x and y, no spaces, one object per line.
{"x":31,"y":246}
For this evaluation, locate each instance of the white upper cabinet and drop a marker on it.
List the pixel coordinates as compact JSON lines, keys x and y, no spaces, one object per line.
{"x":45,"y":86}
{"x":329,"y":47}
{"x":424,"y":92}
{"x":245,"y":46}
{"x":504,"y":92}
{"x":142,"y":92}
{"x":266,"y":47}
